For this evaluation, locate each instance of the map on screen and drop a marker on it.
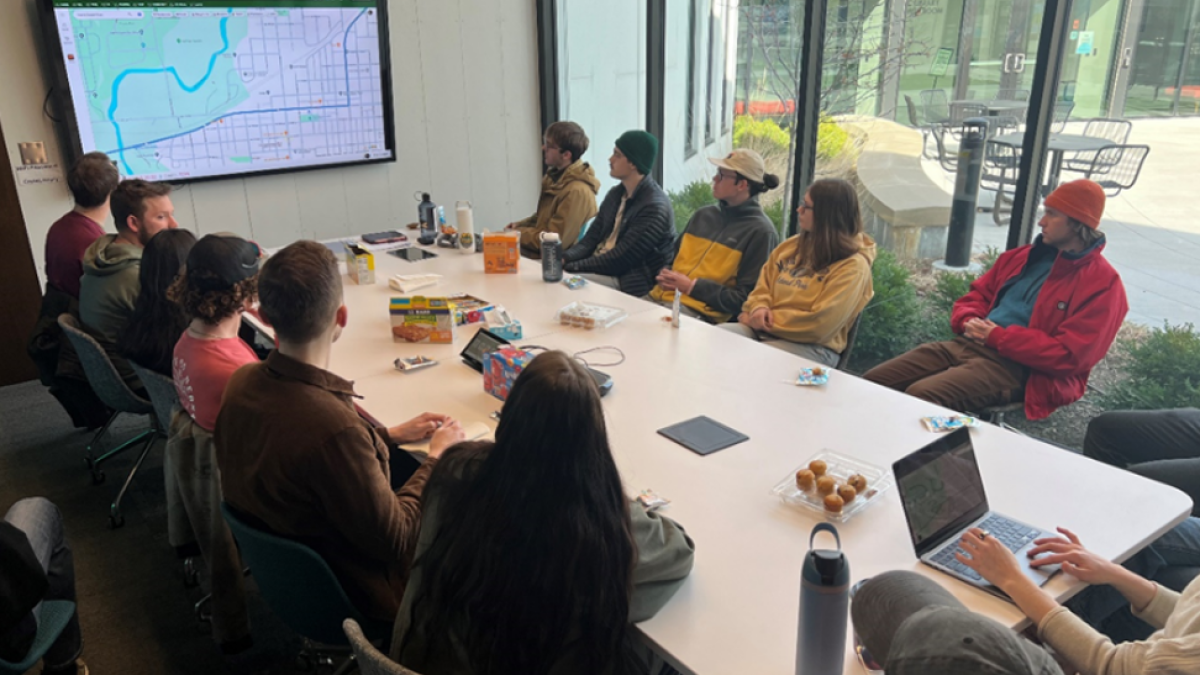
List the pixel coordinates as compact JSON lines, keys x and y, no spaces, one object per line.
{"x":179,"y":90}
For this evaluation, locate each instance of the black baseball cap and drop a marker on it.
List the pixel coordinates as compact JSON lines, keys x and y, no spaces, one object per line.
{"x":219,"y":261}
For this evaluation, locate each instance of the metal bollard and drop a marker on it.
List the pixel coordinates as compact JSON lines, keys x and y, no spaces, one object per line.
{"x":966,"y":193}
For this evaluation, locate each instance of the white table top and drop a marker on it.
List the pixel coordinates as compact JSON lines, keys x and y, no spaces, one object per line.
{"x":737,"y":611}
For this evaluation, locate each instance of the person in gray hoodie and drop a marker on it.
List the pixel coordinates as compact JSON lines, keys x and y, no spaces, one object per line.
{"x":109,"y":288}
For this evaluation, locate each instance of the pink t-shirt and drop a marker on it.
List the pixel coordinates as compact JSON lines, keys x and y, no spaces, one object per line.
{"x":202,"y":368}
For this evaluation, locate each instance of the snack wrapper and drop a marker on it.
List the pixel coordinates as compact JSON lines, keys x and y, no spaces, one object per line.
{"x":949,"y":423}
{"x":651,"y":501}
{"x":575,"y":282}
{"x":811,"y":377}
{"x":415,"y":363}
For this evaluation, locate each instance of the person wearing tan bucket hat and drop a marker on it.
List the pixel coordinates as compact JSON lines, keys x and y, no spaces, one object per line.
{"x":722,"y":250}
{"x":1032,"y":328}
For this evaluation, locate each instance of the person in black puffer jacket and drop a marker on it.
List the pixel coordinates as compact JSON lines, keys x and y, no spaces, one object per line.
{"x":633,"y":235}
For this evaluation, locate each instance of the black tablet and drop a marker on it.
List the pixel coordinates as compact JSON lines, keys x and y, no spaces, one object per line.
{"x":703,"y":435}
{"x":483,"y":342}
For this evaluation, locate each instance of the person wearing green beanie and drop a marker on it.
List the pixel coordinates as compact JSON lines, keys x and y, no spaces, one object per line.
{"x":633,"y":235}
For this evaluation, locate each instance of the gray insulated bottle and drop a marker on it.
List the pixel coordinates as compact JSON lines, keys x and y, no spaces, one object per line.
{"x":552,"y":263}
{"x":824,"y":601}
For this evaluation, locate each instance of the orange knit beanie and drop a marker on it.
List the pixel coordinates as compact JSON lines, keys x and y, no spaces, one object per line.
{"x":1080,"y":199}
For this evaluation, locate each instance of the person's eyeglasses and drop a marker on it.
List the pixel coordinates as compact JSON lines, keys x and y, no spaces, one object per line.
{"x":803,"y":207}
{"x":724,"y":176}
{"x":548,"y":146}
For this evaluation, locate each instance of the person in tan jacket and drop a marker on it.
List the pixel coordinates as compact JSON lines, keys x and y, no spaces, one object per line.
{"x":569,"y":188}
{"x":815,"y":284}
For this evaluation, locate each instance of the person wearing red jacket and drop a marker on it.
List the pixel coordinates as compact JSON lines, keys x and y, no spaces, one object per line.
{"x":1031,"y":328}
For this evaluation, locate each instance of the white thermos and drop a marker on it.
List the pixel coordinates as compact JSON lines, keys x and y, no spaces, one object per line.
{"x":466,"y":226}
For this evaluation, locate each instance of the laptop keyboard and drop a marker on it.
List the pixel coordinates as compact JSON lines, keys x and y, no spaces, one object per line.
{"x":1013,"y":535}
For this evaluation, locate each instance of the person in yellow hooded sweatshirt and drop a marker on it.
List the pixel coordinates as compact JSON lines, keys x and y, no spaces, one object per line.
{"x":569,"y":188}
{"x":815,"y":284}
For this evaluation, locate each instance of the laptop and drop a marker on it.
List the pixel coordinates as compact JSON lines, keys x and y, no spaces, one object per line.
{"x":942,"y":492}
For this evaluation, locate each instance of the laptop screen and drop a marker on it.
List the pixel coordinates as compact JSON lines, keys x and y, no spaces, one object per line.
{"x":941,"y":489}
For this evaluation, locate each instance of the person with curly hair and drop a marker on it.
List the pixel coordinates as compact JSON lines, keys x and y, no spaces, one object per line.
{"x":218,"y":284}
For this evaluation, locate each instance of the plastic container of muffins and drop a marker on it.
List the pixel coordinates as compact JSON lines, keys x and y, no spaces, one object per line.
{"x":589,"y":315}
{"x":840,"y":468}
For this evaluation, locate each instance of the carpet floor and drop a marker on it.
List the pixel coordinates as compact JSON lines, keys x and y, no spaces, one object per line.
{"x":137,"y":616}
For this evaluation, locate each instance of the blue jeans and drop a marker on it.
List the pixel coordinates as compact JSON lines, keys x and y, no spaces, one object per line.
{"x":42,"y":524}
{"x":1108,"y":611}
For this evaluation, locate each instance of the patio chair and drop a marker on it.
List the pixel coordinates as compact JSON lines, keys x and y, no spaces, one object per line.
{"x":1123,"y":173}
{"x":1062,"y":114}
{"x":1001,"y":164}
{"x":1012,"y":95}
{"x":961,"y":112}
{"x":935,"y":105}
{"x":1116,"y":131}
{"x":947,"y":147}
{"x":915,"y":122}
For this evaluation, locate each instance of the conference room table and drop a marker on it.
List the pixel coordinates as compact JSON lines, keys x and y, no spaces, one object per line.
{"x":737,"y":611}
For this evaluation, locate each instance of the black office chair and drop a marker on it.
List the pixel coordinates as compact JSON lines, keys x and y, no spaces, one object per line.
{"x":851,"y":338}
{"x":112,"y":390}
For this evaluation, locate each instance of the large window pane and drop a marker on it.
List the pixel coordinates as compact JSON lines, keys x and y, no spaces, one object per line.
{"x":602,"y":73}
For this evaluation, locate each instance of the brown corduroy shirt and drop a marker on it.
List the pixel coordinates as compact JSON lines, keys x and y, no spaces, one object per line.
{"x":295,"y":455}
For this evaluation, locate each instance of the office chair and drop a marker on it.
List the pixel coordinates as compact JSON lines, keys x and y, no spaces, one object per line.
{"x":53,"y":619}
{"x":114,"y":393}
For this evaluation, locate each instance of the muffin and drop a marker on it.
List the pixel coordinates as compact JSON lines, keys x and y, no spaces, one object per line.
{"x":805,"y":479}
{"x":834,"y":503}
{"x":826,"y":485}
{"x":818,"y":467}
{"x":847,"y":493}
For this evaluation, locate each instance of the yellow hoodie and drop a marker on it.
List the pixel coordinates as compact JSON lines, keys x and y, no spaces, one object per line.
{"x":814,"y":308}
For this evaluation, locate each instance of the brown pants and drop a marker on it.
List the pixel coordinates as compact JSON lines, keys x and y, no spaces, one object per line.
{"x":960,"y":374}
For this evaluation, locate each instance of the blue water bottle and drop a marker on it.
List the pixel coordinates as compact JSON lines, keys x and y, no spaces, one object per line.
{"x":824,"y":605}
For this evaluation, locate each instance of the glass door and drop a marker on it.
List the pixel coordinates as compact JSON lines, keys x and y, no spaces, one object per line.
{"x":1000,"y":40}
{"x":1157,"y":60}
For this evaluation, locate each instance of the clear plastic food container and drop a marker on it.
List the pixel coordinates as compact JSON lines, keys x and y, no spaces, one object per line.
{"x":589,"y":315}
{"x":841,"y":468}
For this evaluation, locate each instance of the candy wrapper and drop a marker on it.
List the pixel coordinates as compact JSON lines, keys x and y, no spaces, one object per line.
{"x":811,"y":377}
{"x":575,"y":282}
{"x":944,"y":424}
{"x":651,"y":501}
{"x":414,"y":363}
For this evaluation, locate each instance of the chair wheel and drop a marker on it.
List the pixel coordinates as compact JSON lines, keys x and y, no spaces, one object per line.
{"x":98,"y":477}
{"x":115,"y":521}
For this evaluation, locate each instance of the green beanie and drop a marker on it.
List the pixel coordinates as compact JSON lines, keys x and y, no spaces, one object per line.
{"x":640,"y":148}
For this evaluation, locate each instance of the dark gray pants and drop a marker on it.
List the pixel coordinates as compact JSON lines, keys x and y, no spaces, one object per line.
{"x":1163,"y":445}
{"x":42,"y":525}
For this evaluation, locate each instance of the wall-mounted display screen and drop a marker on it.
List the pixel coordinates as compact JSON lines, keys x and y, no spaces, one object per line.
{"x":182,"y":91}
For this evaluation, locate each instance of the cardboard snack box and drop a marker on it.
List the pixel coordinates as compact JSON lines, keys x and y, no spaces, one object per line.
{"x":421,"y":319}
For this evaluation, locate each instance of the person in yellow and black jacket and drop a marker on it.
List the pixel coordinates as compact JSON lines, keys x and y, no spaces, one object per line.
{"x":724,"y":246}
{"x":569,"y":189}
{"x":817,"y":283}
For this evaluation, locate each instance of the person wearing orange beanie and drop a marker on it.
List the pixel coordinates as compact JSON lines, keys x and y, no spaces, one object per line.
{"x":1032,"y":328}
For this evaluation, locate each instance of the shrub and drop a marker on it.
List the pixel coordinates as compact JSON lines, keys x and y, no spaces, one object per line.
{"x":759,"y":134}
{"x":1162,"y":371}
{"x":831,"y":138}
{"x":687,"y":201}
{"x":890,"y":322}
{"x":774,"y":211}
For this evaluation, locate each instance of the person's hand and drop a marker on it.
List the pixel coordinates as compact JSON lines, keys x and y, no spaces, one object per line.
{"x":445,"y":437}
{"x":511,"y":226}
{"x":762,"y":319}
{"x":744,"y":319}
{"x":990,"y":558}
{"x":978,"y":330}
{"x":674,"y":281}
{"x":418,"y":428}
{"x":1075,"y":559}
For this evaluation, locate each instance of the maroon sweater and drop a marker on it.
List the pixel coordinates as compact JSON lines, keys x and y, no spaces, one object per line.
{"x":68,"y":238}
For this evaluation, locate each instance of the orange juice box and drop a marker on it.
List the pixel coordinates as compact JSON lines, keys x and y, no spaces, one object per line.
{"x":501,"y":252}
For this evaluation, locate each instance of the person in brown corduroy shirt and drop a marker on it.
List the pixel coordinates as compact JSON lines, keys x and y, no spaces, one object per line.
{"x":294,"y":454}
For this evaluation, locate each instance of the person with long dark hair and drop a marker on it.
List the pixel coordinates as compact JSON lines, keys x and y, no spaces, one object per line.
{"x":817,"y":283}
{"x":531,"y":559}
{"x":156,"y":322}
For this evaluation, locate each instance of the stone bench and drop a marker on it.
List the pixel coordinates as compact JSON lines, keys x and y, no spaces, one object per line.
{"x":903,"y":210}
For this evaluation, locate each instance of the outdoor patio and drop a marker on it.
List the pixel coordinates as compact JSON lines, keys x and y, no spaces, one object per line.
{"x":1152,"y":229}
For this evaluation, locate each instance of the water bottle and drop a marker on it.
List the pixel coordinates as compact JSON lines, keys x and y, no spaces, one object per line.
{"x":427,"y":217}
{"x":824,"y":603}
{"x":466,"y":226}
{"x":552,"y":264}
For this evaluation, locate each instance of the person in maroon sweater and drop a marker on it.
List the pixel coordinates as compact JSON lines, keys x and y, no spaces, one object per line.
{"x":91,"y":180}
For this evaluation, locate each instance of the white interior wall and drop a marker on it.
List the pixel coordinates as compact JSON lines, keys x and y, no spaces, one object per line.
{"x":465,"y":85}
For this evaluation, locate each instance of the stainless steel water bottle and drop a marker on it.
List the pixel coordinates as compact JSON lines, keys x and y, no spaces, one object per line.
{"x":824,"y":602}
{"x":552,"y":264}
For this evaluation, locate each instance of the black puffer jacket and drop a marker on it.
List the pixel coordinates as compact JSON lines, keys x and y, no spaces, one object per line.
{"x":645,"y":241}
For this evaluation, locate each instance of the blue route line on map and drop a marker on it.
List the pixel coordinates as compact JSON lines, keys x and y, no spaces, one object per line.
{"x":345,"y":60}
{"x":112,"y":108}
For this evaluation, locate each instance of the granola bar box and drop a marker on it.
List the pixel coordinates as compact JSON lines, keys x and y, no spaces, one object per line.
{"x":501,"y":368}
{"x":420,"y":319}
